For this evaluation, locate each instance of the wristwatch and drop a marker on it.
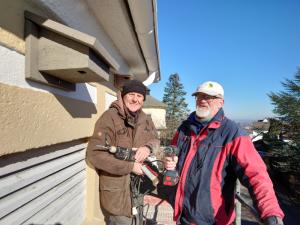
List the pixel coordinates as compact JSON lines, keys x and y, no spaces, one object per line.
{"x":273,"y":220}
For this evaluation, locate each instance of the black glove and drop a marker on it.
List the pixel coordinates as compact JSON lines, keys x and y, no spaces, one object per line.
{"x":273,"y":220}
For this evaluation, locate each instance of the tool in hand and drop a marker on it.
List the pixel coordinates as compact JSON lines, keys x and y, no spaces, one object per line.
{"x":170,"y":177}
{"x":129,"y":155}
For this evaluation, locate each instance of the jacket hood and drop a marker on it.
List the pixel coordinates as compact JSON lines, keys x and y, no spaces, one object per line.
{"x":119,"y":106}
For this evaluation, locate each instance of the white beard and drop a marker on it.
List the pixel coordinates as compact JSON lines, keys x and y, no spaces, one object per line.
{"x":202,"y":112}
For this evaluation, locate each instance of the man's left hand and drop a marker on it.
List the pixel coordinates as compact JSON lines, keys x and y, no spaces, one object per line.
{"x":142,"y":153}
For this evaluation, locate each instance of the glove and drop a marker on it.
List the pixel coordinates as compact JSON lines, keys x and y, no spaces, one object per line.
{"x":273,"y":220}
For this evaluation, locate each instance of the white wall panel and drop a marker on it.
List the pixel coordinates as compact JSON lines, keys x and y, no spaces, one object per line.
{"x":12,"y":72}
{"x":109,"y":98}
{"x":46,"y":188}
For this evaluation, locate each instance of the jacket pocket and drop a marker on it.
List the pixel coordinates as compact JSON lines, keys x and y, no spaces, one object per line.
{"x":115,"y":194}
{"x":112,"y":183}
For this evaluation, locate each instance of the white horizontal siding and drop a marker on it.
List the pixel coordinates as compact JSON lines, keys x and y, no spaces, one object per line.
{"x":62,"y":208}
{"x":47,"y":188}
{"x":43,"y":156}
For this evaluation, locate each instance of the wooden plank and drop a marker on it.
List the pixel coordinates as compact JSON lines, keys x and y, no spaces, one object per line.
{"x":78,"y":216}
{"x":31,"y":208}
{"x":43,"y":156}
{"x":21,"y":197}
{"x":55,"y":212}
{"x":21,"y":179}
{"x":71,"y":213}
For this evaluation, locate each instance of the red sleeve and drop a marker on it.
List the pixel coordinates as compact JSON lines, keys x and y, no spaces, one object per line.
{"x":253,"y":173}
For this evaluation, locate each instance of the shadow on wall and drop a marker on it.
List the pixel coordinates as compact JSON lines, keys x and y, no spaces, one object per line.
{"x":75,"y":98}
{"x":79,"y":104}
{"x":77,"y":108}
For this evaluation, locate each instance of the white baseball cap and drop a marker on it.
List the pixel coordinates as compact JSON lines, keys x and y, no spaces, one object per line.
{"x":210,"y":88}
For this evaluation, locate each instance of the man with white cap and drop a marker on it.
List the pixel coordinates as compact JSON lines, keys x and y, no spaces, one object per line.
{"x":213,"y":153}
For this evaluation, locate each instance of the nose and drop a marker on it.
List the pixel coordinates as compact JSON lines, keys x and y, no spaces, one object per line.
{"x":201,"y":102}
{"x":134,"y":98}
{"x":198,"y":100}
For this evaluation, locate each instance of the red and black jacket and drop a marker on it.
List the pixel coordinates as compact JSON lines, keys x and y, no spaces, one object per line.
{"x":210,"y":161}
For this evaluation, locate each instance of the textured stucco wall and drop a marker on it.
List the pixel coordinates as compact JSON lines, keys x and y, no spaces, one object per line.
{"x":33,"y":115}
{"x":30,"y":119}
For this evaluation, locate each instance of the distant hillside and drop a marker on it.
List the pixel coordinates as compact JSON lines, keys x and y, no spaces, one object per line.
{"x":244,"y":122}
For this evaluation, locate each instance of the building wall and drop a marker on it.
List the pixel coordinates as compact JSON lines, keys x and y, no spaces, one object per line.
{"x":47,"y":187}
{"x":32,"y":114}
{"x":31,"y":119}
{"x":158,"y":116}
{"x":37,"y":119}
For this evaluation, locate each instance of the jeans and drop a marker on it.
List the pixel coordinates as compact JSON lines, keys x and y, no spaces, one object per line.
{"x":123,"y":220}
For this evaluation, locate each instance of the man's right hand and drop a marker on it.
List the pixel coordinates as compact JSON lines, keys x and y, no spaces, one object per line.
{"x":170,"y":162}
{"x":137,"y":168}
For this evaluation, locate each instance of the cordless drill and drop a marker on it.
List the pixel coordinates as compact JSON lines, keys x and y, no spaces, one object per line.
{"x":128,"y":154}
{"x":170,"y":177}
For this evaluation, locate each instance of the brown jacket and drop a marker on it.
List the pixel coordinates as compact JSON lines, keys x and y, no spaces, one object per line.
{"x":118,"y":128}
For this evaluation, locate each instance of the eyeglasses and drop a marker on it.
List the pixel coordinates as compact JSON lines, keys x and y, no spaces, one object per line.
{"x":206,"y":97}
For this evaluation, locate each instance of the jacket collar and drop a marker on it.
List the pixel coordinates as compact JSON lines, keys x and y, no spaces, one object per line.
{"x":217,"y":119}
{"x":214,"y":123}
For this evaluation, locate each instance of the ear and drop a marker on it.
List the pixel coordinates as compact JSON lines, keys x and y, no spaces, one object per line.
{"x":221,"y":103}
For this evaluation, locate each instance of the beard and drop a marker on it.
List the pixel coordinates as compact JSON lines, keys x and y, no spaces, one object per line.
{"x":203,"y":112}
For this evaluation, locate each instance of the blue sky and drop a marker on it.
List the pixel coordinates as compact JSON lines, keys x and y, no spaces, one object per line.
{"x":248,"y":46}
